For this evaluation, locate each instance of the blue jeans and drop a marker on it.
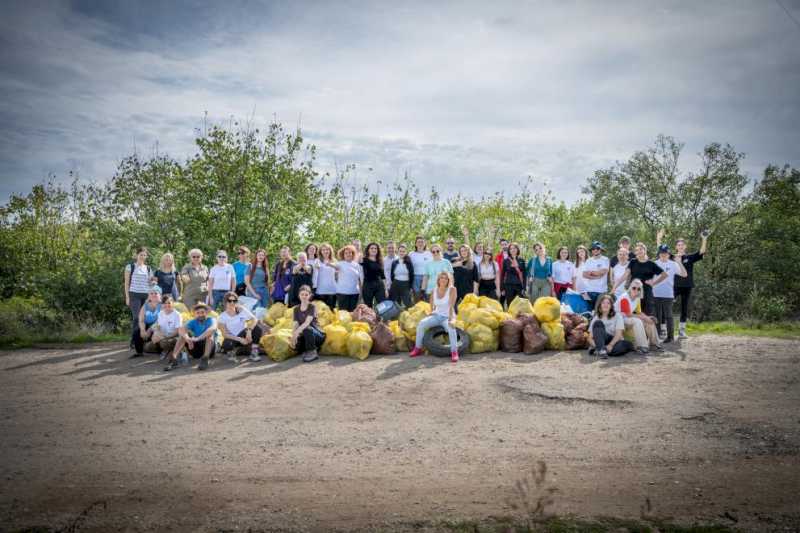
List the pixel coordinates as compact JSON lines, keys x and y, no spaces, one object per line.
{"x":262,"y":293}
{"x":417,"y":285}
{"x":432,"y":321}
{"x":593,"y":296}
{"x":217,"y":297}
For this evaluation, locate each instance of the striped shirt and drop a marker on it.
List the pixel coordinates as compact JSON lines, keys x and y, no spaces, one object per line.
{"x":140,"y":278}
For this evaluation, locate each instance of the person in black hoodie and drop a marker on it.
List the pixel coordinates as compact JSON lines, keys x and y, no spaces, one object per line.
{"x":374,"y":289}
{"x":514,"y":274}
{"x":401,"y":275}
{"x":465,"y":274}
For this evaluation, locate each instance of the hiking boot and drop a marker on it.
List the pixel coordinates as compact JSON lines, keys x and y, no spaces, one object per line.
{"x":454,"y":357}
{"x":416,"y":352}
{"x":310,"y":355}
{"x":203,"y":364}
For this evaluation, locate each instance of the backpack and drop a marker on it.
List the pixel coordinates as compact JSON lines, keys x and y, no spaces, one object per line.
{"x":132,"y":266}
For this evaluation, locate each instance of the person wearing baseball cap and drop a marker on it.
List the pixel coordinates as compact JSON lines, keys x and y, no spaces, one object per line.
{"x":664,"y":292}
{"x":596,"y":273}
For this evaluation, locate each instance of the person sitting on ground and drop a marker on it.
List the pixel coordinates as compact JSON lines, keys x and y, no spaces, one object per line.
{"x":607,"y":328}
{"x":239,"y":337}
{"x":148,"y":316}
{"x":198,"y":338}
{"x":642,"y":327}
{"x":168,"y":323}
{"x":648,"y":272}
{"x":306,"y":336}
{"x":443,"y":299}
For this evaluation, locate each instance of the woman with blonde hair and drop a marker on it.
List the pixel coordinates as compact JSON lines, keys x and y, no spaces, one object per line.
{"x":282,"y":277}
{"x":325,"y":275}
{"x":166,"y":276}
{"x":642,"y":327}
{"x":349,"y":278}
{"x":194,"y":278}
{"x":443,"y":299}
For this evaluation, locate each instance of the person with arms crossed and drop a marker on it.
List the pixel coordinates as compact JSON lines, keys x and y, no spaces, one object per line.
{"x":595,"y":273}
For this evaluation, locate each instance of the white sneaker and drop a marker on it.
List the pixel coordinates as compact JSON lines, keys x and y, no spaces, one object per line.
{"x":254,"y":357}
{"x":232,"y":357}
{"x":682,"y":334}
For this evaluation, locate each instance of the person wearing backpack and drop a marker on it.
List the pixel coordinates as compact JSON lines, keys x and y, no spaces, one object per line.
{"x":137,"y":277}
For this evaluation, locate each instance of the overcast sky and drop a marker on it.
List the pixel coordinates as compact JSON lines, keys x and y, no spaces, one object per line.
{"x":469,"y":96}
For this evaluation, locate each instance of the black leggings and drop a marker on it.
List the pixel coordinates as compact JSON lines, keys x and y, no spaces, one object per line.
{"x":230,"y":345}
{"x":373,"y":292}
{"x":309,"y":340}
{"x":400,"y":292}
{"x":347,"y":302}
{"x":512,"y":291}
{"x":487,"y":287}
{"x":685,"y":294}
{"x":648,"y":302}
{"x":327,"y":299}
{"x":601,"y":338}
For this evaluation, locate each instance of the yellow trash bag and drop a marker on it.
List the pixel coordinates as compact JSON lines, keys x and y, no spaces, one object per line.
{"x":284,"y":323}
{"x":547,"y":309}
{"x":344,"y":319}
{"x":180,"y":307}
{"x":359,"y":343}
{"x":409,"y":320}
{"x":335,"y":340}
{"x":460,"y":324}
{"x":423,"y":306}
{"x":277,"y":345}
{"x":400,"y":341}
{"x":213,"y":314}
{"x":324,"y":313}
{"x":488,"y":303}
{"x":523,"y":306}
{"x":485,"y":317}
{"x":482,"y":338}
{"x":186,"y":316}
{"x":501,"y":315}
{"x":289,"y":312}
{"x":359,"y":326}
{"x":465,"y":310}
{"x":274,"y":312}
{"x":555,"y":335}
{"x":471,"y":299}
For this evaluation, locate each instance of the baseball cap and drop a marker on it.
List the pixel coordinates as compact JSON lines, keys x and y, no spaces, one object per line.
{"x":663,"y":249}
{"x":597,"y":244}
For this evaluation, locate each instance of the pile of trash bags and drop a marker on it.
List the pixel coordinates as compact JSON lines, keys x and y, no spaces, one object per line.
{"x":481,"y":317}
{"x":576,"y":331}
{"x":522,"y":332}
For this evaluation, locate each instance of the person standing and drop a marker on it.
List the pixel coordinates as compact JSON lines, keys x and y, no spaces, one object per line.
{"x":312,"y":258}
{"x":489,"y":276}
{"x":684,"y":286}
{"x":664,"y":291}
{"x":595,"y":273}
{"x":434,"y":267}
{"x":388,"y":259}
{"x":166,"y":276}
{"x":625,"y":244}
{"x":325,"y":276}
{"x":136,"y":285}
{"x":450,"y":254}
{"x":302,"y":274}
{"x":419,"y":258}
{"x":465,"y":274}
{"x":563,"y":272}
{"x":241,"y":266}
{"x":401,"y":273}
{"x":648,"y":273}
{"x":618,"y":272}
{"x":579,"y":282}
{"x":443,"y":299}
{"x":349,"y":279}
{"x":257,"y":278}
{"x":513,"y":275}
{"x":540,"y":274}
{"x":373,"y":290}
{"x":194,"y":276}
{"x":221,"y":279}
{"x":282,"y":277}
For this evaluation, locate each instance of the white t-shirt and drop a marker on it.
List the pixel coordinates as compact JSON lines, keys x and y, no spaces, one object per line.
{"x":666,"y":288}
{"x":488,"y":271}
{"x":350,"y":273}
{"x":236,"y":323}
{"x":616,"y":273}
{"x":324,"y":278}
{"x":594,"y":264}
{"x":419,"y":260}
{"x":222,"y":276}
{"x":580,"y":281}
{"x":612,"y":325}
{"x":400,"y":271}
{"x":168,"y":323}
{"x":563,"y":271}
{"x":387,"y":268}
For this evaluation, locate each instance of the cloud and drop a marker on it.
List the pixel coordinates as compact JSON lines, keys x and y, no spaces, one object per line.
{"x":469,"y":97}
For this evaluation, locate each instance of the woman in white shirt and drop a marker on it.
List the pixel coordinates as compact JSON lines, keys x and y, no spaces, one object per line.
{"x":579,"y":282}
{"x":324,"y":277}
{"x":618,"y":272}
{"x":443,"y":299}
{"x":349,"y":277}
{"x":488,"y":275}
{"x":419,"y":258}
{"x":221,"y":279}
{"x":312,"y":258}
{"x":237,"y":336}
{"x":401,"y":273}
{"x":607,"y":329}
{"x":563,"y":272}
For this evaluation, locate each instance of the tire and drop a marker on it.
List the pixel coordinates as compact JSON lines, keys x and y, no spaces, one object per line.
{"x":431,"y":343}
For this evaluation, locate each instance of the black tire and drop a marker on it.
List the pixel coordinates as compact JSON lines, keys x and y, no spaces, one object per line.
{"x":431,"y":342}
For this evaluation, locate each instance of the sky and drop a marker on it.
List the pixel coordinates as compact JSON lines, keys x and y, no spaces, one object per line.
{"x":470,"y":97}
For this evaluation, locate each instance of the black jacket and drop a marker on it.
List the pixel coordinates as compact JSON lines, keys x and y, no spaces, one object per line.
{"x":409,"y":266}
{"x":510,"y":275}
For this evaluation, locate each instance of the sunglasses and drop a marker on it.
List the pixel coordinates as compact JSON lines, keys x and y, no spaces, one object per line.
{"x":222,"y":257}
{"x":195,"y":257}
{"x":242,"y":253}
{"x":231,"y":301}
{"x":635,"y":288}
{"x":436,"y":251}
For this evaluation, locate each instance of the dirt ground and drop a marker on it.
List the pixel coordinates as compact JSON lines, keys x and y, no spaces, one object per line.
{"x":709,"y":432}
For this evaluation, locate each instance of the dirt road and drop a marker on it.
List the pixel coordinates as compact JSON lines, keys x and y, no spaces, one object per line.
{"x":709,"y":432}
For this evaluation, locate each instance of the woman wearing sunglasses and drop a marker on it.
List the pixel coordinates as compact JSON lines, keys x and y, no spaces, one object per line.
{"x":434,"y":267}
{"x":240,"y":332}
{"x":642,"y":327}
{"x":489,"y":275}
{"x":195,"y":279}
{"x":221,"y":279}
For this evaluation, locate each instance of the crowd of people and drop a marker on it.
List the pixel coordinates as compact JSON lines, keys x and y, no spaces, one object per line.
{"x":629,"y":291}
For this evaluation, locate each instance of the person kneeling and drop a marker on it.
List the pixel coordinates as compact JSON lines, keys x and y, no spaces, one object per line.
{"x":607,"y":328}
{"x":306,"y":335}
{"x":238,"y":337}
{"x":198,"y":338}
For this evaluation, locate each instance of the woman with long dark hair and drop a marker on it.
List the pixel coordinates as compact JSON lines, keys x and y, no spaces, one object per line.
{"x":349,"y":278}
{"x":257,"y":278}
{"x":514,"y":274}
{"x":373,"y":290}
{"x":465,"y":274}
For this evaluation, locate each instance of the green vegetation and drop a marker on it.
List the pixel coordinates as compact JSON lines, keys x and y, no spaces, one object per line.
{"x":783,"y":330}
{"x":65,"y":247}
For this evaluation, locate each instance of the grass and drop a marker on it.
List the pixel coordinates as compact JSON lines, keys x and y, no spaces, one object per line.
{"x":781,"y":330}
{"x":79,"y":337}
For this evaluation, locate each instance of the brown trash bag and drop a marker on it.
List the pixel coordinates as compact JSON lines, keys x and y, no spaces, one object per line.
{"x":577,"y":340}
{"x":534,"y":340}
{"x":511,"y":336}
{"x":363,"y":313}
{"x":530,"y":319}
{"x":382,"y":340}
{"x":566,"y":321}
